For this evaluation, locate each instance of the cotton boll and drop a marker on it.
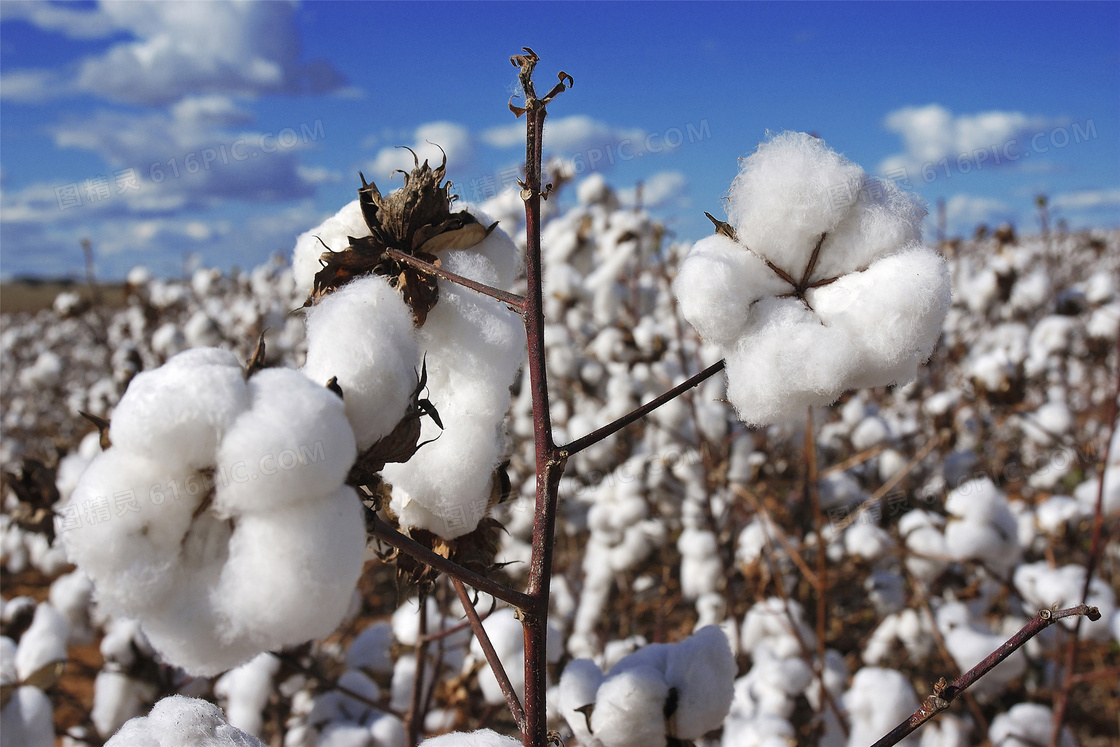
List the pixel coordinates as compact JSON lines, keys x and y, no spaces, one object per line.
{"x":481,"y":738}
{"x":372,"y":651}
{"x":1043,"y":587}
{"x":867,"y":541}
{"x":578,"y":685}
{"x":769,"y":623}
{"x":28,"y":719}
{"x":293,"y":441}
{"x":701,"y":567}
{"x":331,"y":235}
{"x":362,"y":334}
{"x":629,"y":709}
{"x":946,"y":731}
{"x":43,"y":643}
{"x":982,"y":527}
{"x":969,"y":645}
{"x":1023,"y":723}
{"x":72,"y":594}
{"x":178,"y":721}
{"x":876,"y":702}
{"x":246,"y":690}
{"x":702,"y":670}
{"x":507,"y":637}
{"x":180,"y":410}
{"x":116,"y":699}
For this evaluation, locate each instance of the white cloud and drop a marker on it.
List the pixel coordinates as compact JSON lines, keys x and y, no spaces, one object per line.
{"x":66,"y":19}
{"x":963,"y":213}
{"x":427,"y":140}
{"x":665,"y":189}
{"x":931,"y":133}
{"x":567,"y":135}
{"x":181,"y":48}
{"x":1087,"y":200}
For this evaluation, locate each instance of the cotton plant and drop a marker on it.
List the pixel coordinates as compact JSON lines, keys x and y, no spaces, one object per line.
{"x":819,"y":282}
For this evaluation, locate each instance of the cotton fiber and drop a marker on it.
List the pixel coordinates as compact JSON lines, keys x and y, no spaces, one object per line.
{"x":219,"y":518}
{"x":825,"y":286}
{"x":178,"y":721}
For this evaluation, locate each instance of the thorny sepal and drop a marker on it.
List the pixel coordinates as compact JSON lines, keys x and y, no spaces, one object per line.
{"x":416,"y":220}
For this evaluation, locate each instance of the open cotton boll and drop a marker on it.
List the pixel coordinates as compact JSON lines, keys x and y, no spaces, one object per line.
{"x":372,"y":650}
{"x":1043,"y":587}
{"x":981,"y":526}
{"x":362,"y":334}
{"x":876,"y":702}
{"x":292,"y":441}
{"x":116,"y":699}
{"x":1022,"y":724}
{"x":481,"y":738}
{"x":333,"y":233}
{"x":178,"y":721}
{"x":28,"y":719}
{"x":701,"y":668}
{"x":498,"y":247}
{"x":629,"y":709}
{"x":578,"y":684}
{"x":43,"y":643}
{"x":246,"y":690}
{"x":837,"y":295}
{"x":178,"y":412}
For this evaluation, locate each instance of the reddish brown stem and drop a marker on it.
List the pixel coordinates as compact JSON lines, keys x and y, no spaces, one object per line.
{"x":491,"y":655}
{"x":943,"y":694}
{"x":408,"y":546}
{"x":511,"y":299}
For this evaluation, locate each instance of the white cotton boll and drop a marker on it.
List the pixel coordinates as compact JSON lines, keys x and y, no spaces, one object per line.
{"x":946,"y":731}
{"x":388,"y":731}
{"x":130,"y":555}
{"x":8,"y":673}
{"x":362,"y":334}
{"x":870,"y":432}
{"x":291,"y":571}
{"x":1030,"y":292}
{"x":969,"y":646}
{"x":629,"y":709}
{"x":780,"y":203}
{"x":481,"y":738}
{"x":200,"y":331}
{"x":168,"y":340}
{"x":867,"y":541}
{"x":43,"y":643}
{"x":334,"y":233}
{"x":116,"y":699}
{"x":45,"y":372}
{"x":1055,"y":514}
{"x":178,"y":721}
{"x":71,"y":467}
{"x":578,"y":684}
{"x":1043,"y":587}
{"x":498,"y":247}
{"x":876,"y":702}
{"x":701,"y":568}
{"x":372,"y":650}
{"x":702,"y":670}
{"x":180,"y":410}
{"x":1104,"y":322}
{"x":246,"y":690}
{"x":508,"y":639}
{"x":294,"y":442}
{"x":769,"y":623}
{"x":982,"y":526}
{"x":28,"y":719}
{"x":1022,"y":724}
{"x":716,"y":285}
{"x":72,"y":594}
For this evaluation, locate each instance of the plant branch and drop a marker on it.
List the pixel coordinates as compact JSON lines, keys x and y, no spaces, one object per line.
{"x":415,"y":717}
{"x":409,"y":546}
{"x":610,"y":429}
{"x":512,"y":299}
{"x":491,"y":655}
{"x":944,"y":694}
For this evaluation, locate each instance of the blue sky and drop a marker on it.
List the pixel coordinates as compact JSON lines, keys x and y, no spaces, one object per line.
{"x":219,"y":131}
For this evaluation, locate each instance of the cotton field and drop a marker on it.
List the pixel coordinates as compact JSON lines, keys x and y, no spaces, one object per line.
{"x":208,"y":578}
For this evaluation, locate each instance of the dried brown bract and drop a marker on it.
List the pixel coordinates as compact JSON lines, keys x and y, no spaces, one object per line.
{"x":416,"y":220}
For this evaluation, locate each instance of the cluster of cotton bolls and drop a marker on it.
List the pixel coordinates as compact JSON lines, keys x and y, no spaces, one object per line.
{"x":991,"y":462}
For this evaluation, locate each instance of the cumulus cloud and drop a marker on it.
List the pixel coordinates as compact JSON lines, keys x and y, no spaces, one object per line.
{"x":565,"y":135}
{"x":931,"y":133}
{"x":179,"y":48}
{"x":963,"y":213}
{"x":1088,"y":200}
{"x":665,"y":189}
